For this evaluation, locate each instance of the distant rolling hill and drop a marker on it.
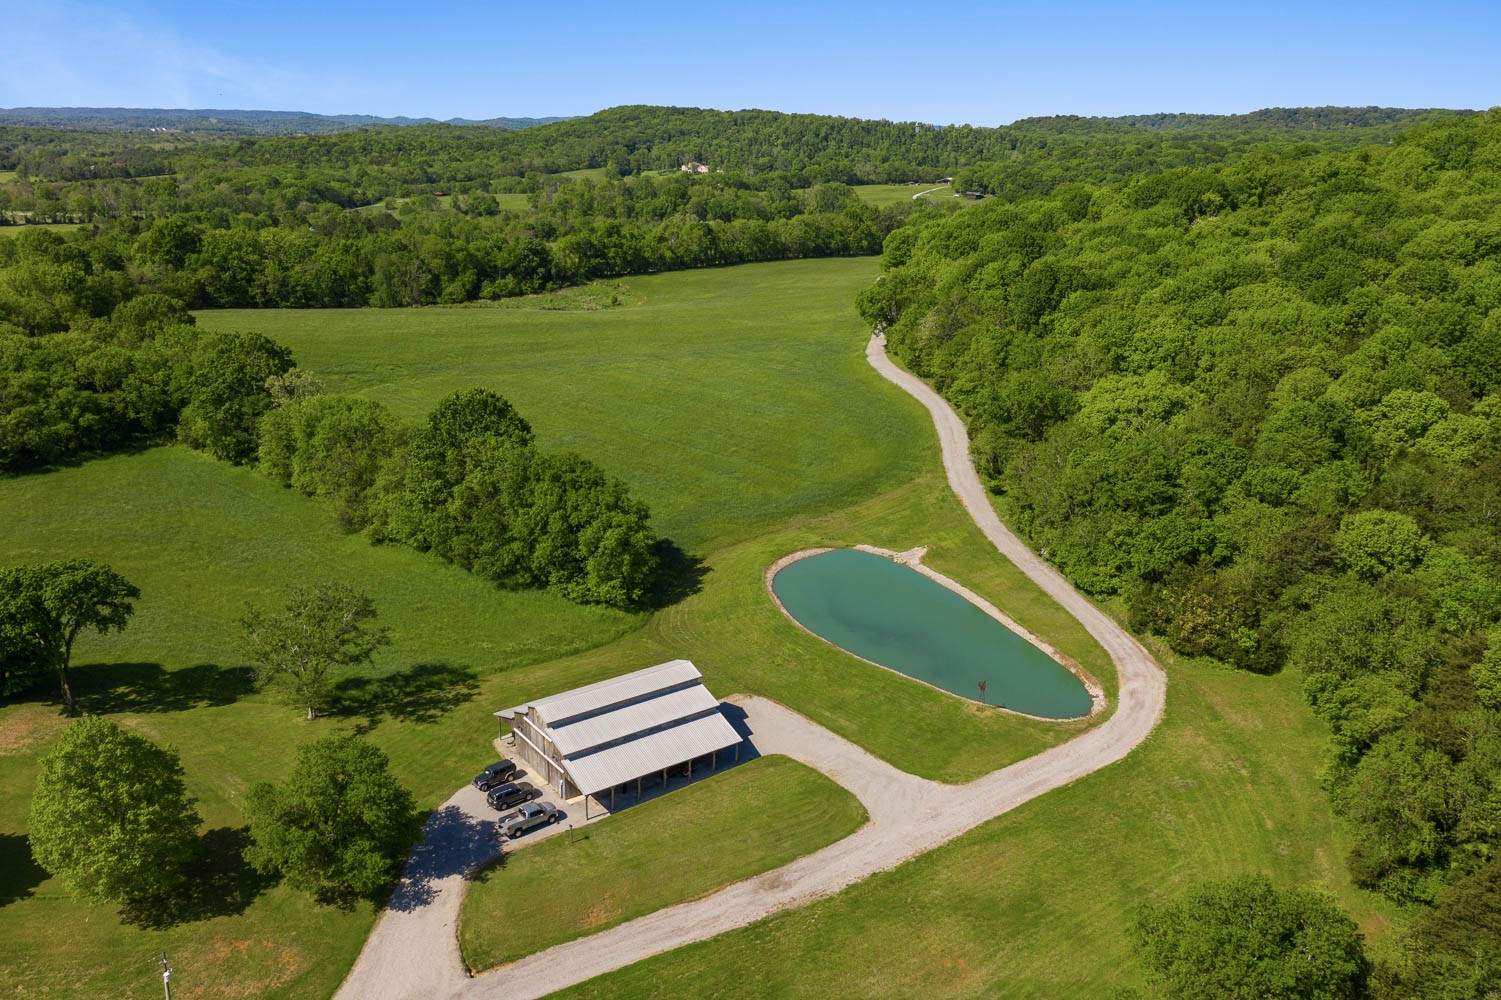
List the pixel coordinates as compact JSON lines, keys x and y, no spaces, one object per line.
{"x":230,"y":122}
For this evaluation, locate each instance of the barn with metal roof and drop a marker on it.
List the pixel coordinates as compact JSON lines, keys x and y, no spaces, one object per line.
{"x":618,"y":732}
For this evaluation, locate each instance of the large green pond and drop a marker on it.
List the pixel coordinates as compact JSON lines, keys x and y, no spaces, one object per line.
{"x":892,"y":615}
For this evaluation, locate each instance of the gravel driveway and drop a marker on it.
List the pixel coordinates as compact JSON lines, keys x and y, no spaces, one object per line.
{"x":413,"y":951}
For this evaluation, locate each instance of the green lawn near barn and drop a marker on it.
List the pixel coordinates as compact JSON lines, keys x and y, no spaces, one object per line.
{"x":727,"y":827}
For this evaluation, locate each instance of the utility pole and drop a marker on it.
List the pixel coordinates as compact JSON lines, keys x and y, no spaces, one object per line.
{"x":166,"y":977}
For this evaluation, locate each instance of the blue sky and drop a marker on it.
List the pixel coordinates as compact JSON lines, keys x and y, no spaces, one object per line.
{"x":987,"y":64}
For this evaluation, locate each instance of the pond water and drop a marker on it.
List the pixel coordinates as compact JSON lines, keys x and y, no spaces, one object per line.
{"x":893,"y":615}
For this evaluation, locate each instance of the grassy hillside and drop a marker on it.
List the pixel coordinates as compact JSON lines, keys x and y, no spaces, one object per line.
{"x":565,"y":888}
{"x":202,"y":539}
{"x":730,"y":399}
{"x":738,"y":403}
{"x":1035,"y":903}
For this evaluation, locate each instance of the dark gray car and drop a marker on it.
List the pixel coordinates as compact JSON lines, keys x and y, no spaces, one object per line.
{"x":512,"y":793}
{"x":496,"y":774}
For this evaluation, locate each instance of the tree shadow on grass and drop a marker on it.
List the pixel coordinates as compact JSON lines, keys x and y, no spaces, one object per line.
{"x":19,"y":872}
{"x":105,"y":688}
{"x":453,"y":843}
{"x":680,"y":576}
{"x":420,"y":694}
{"x":219,"y":883}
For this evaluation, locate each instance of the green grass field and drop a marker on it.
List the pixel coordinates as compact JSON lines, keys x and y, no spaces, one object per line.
{"x":1035,"y":903}
{"x":883,"y":195}
{"x":561,"y":889}
{"x":514,"y":201}
{"x":592,"y":173}
{"x":201,"y":539}
{"x":740,"y":470}
{"x":722,"y":372}
{"x":56,"y":227}
{"x":737,"y":402}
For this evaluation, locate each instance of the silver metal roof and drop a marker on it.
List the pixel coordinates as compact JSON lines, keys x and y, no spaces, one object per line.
{"x":651,"y":753}
{"x":620,"y":729}
{"x":583,"y":733}
{"x":602,"y":694}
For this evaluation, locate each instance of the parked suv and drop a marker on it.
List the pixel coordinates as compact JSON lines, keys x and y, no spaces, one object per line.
{"x":530,"y":815}
{"x":512,"y":793}
{"x":497,"y":773}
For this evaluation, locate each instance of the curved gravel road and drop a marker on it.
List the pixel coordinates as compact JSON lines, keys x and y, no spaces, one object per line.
{"x":908,"y":815}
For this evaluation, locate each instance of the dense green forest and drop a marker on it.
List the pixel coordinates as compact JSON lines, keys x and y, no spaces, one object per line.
{"x":92,"y":350}
{"x":1259,"y":404}
{"x":1240,"y":375}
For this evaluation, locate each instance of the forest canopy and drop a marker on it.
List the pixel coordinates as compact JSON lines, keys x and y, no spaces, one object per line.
{"x":1259,"y":404}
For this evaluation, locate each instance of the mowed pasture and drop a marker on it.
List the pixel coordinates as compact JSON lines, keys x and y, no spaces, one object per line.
{"x":739,"y":404}
{"x":1037,"y":903}
{"x":736,"y":401}
{"x":885,"y":195}
{"x":203,"y":539}
{"x":731,"y":399}
{"x":56,"y":227}
{"x":749,"y":819}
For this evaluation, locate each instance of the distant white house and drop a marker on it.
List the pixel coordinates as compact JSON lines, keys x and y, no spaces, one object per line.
{"x":613,"y":735}
{"x":694,"y":167}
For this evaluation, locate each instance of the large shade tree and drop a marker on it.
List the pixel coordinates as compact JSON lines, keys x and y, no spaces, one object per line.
{"x":43,"y":609}
{"x":320,"y":627}
{"x":1245,"y":938}
{"x":111,"y":815}
{"x":338,"y":826}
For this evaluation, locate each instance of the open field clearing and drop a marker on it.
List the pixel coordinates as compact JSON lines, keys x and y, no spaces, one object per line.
{"x":882,"y":195}
{"x":726,"y":397}
{"x":738,"y":403}
{"x":592,"y":173}
{"x":724,"y":372}
{"x":56,"y":227}
{"x":759,"y":816}
{"x":202,"y":539}
{"x":1035,"y":903}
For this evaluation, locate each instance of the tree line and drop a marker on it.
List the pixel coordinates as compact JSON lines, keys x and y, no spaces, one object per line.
{"x":293,"y":252}
{"x":1260,"y":404}
{"x":413,"y":215}
{"x":471,"y":486}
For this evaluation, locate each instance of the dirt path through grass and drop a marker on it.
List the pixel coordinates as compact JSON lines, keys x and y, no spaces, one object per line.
{"x":909,"y":815}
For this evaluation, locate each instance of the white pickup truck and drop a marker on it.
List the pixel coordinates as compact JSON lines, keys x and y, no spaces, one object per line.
{"x":530,"y":815}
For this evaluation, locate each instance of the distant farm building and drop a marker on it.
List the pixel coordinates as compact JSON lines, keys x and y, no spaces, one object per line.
{"x":694,"y":167}
{"x":613,"y":735}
